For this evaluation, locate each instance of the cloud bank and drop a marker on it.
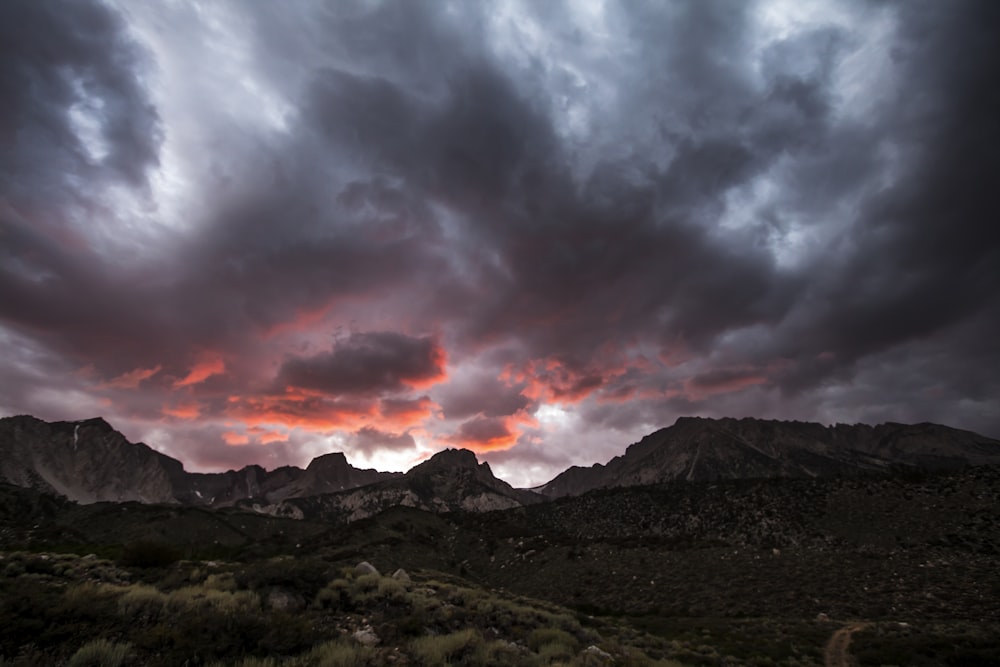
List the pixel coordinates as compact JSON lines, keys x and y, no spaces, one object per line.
{"x":257,"y":233}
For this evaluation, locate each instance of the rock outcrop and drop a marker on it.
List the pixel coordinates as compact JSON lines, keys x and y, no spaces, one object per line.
{"x":89,"y":461}
{"x":698,"y":449}
{"x":451,"y":480}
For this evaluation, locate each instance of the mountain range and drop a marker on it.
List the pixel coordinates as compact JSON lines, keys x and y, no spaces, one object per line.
{"x":88,"y":461}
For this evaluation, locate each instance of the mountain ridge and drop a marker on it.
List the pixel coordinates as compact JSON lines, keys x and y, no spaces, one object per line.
{"x":88,"y":461}
{"x":704,"y":449}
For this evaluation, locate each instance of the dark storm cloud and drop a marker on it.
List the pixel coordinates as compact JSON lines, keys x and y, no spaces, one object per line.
{"x":923,"y":251}
{"x":367,"y":363}
{"x":653,"y":212}
{"x":63,"y":64}
{"x":481,"y":394}
{"x":483,"y":432}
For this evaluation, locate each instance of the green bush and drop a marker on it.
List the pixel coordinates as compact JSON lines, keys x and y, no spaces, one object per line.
{"x":439,"y":650}
{"x":100,"y":653}
{"x":543,"y":637}
{"x":140,"y":602}
{"x":340,"y":653}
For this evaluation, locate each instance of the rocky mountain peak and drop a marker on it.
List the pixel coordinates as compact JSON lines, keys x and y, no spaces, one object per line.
{"x":452,"y":458}
{"x":334,"y":461}
{"x":697,"y":448}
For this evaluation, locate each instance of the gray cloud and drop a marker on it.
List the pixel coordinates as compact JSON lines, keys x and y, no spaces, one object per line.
{"x":657,"y":209}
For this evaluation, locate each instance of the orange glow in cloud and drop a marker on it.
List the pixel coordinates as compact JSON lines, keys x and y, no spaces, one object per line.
{"x":204,"y":369}
{"x":234,"y":438}
{"x":487,"y":434}
{"x":133,"y":378}
{"x":304,"y":320}
{"x":265,"y":436}
{"x":440,"y":360}
{"x":549,"y":380}
{"x":185,"y":411}
{"x":300,"y":410}
{"x":401,"y":414}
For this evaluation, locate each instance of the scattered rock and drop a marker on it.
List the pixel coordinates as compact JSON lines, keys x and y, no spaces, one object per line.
{"x":401,"y":575}
{"x":595,"y":652}
{"x":822,"y":617}
{"x":364,"y":567}
{"x":282,"y":600}
{"x":366,"y":636}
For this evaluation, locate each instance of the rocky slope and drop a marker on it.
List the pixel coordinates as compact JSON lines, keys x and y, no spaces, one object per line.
{"x":697,"y":449}
{"x":451,"y":480}
{"x":88,"y":461}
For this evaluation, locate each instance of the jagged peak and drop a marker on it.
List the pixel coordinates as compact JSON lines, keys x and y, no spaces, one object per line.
{"x":451,"y":458}
{"x":328,"y":460}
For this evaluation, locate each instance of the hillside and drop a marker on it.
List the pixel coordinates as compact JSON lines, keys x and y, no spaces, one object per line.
{"x":749,"y":569}
{"x":450,"y":481}
{"x":698,"y":449}
{"x":89,"y":461}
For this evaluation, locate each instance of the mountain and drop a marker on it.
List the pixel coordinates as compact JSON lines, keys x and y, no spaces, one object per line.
{"x":451,"y":480}
{"x":88,"y":461}
{"x":699,"y":449}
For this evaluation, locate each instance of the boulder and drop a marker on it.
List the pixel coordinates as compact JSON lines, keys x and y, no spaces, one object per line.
{"x":366,"y":636}
{"x":401,"y":575}
{"x":281,"y":600}
{"x":364,"y":567}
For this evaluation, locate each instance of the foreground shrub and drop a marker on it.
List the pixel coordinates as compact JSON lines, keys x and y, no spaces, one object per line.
{"x":100,"y":653}
{"x":437,"y":651}
{"x":340,"y":653}
{"x":542,"y":637}
{"x":141,"y":603}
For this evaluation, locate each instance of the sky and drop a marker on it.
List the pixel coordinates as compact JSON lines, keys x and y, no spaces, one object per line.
{"x":257,"y":232}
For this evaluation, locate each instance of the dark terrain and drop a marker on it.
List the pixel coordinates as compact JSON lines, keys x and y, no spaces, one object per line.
{"x":902,"y":561}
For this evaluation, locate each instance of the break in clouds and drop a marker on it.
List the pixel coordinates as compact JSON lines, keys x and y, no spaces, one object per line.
{"x":261,"y":232}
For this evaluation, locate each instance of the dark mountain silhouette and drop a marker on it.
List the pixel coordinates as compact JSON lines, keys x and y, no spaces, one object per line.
{"x":451,"y":480}
{"x":697,"y":449}
{"x":88,"y":461}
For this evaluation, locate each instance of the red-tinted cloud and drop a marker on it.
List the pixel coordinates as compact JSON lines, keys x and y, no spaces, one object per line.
{"x":234,"y":438}
{"x":133,"y":378}
{"x":402,"y":413}
{"x":491,"y":433}
{"x":183,"y":411}
{"x":301,"y":410}
{"x":206,"y":367}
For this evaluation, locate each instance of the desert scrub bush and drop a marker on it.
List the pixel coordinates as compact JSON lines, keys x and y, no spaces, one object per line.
{"x":100,"y":653}
{"x":391,"y":589}
{"x":336,"y":595}
{"x":196,"y":598}
{"x":440,"y":650}
{"x":222,"y":581}
{"x":339,"y":653}
{"x":542,"y":637}
{"x":141,"y":602}
{"x":252,"y":661}
{"x":500,"y":652}
{"x":364,"y":587}
{"x":147,"y":553}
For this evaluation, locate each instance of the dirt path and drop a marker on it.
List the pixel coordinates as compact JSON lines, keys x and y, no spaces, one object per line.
{"x":837,"y":652}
